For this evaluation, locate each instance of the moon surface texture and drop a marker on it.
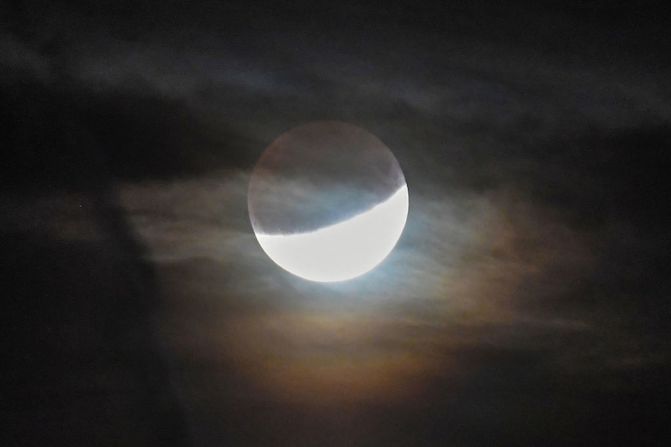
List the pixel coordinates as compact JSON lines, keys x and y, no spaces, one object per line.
{"x":327,"y":201}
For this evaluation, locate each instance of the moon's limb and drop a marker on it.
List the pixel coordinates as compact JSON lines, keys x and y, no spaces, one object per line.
{"x":343,"y":250}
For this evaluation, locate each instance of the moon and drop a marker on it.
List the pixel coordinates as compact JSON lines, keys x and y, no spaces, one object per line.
{"x":327,"y":201}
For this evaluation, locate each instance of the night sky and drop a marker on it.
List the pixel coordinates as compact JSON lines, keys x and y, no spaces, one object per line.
{"x":526,"y":303}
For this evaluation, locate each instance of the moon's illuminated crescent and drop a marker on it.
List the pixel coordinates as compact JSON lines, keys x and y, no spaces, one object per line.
{"x":350,"y":246}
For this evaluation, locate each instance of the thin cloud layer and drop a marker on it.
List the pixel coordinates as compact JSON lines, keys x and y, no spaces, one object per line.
{"x":525,"y":303}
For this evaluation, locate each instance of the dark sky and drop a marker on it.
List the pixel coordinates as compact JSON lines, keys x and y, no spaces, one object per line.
{"x":526,"y":304}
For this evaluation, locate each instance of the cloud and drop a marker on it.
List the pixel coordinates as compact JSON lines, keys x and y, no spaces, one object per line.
{"x":457,"y":274}
{"x":528,"y":290}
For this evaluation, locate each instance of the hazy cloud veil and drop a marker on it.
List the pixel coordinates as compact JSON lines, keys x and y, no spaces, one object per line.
{"x":525,"y":303}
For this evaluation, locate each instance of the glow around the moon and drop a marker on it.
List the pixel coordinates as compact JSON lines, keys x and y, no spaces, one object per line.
{"x":343,"y":250}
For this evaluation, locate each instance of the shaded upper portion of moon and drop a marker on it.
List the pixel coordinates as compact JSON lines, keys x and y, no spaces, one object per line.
{"x":319,"y":174}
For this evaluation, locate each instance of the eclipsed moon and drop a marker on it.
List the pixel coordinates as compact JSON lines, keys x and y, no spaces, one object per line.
{"x":327,"y":201}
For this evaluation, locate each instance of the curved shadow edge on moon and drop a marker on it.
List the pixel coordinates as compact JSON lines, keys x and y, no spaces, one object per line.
{"x":343,"y":250}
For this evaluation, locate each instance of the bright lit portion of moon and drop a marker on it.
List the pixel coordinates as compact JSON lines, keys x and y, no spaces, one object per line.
{"x":344,"y":250}
{"x":328,"y":201}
